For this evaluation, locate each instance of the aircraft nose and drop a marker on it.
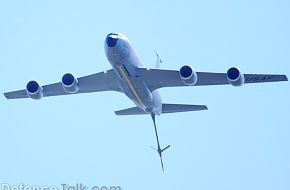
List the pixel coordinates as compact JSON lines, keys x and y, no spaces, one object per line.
{"x":111,"y":41}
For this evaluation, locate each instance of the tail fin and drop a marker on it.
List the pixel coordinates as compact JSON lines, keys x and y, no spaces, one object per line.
{"x":158,"y":61}
{"x":166,"y":108}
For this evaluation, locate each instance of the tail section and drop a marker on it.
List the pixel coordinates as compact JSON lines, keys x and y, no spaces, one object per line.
{"x":166,"y":108}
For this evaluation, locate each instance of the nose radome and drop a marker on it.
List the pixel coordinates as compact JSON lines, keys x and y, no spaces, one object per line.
{"x":112,"y":41}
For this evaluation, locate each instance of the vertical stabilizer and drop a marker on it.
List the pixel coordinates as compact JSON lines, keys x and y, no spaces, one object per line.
{"x":158,"y":61}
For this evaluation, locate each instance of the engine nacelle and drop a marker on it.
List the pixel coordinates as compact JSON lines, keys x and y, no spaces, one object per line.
{"x":34,"y":90}
{"x":235,"y":77}
{"x":188,"y":75}
{"x":69,"y":83}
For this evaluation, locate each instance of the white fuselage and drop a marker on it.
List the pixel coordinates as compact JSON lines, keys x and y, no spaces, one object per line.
{"x":125,"y":62}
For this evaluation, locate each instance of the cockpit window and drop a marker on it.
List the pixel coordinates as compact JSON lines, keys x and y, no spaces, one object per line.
{"x":113,"y":34}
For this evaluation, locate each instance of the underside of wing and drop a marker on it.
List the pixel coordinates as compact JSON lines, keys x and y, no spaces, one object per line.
{"x":159,"y":78}
{"x":103,"y":81}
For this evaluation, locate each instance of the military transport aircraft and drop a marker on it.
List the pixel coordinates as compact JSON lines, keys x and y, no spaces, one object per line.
{"x":138,"y":83}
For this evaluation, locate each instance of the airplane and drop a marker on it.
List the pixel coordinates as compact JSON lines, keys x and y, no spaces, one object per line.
{"x":140,"y":84}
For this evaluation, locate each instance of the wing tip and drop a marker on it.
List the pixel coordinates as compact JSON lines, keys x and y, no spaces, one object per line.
{"x":117,"y":113}
{"x":282,"y":78}
{"x":6,"y":95}
{"x":15,"y":94}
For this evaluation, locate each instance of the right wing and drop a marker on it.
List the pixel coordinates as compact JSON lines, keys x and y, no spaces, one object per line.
{"x":103,"y":81}
{"x":159,"y":78}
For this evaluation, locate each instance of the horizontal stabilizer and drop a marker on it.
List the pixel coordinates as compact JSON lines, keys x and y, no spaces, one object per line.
{"x":173,"y":108}
{"x":131,"y":111}
{"x":166,"y":108}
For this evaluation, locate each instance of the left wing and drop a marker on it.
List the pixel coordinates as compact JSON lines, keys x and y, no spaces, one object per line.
{"x":103,"y":81}
{"x":159,"y":78}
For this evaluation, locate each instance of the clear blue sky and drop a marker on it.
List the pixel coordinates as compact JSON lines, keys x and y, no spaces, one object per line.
{"x":241,"y":142}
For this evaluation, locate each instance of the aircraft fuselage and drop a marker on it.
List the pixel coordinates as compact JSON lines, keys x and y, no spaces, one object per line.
{"x":125,"y":62}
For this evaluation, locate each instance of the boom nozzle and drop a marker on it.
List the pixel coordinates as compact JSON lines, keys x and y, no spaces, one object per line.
{"x":158,"y":149}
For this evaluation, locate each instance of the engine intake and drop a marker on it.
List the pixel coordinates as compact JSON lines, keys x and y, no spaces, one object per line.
{"x":70,"y":83}
{"x":34,"y":90}
{"x":188,"y":75}
{"x":235,"y":77}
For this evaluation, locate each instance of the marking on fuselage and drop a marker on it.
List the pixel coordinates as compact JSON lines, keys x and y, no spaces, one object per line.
{"x":131,"y":86}
{"x":126,"y":71}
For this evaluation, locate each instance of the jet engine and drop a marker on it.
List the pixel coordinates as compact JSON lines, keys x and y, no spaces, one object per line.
{"x":188,"y":75}
{"x":34,"y":90}
{"x":70,"y":83}
{"x":235,"y":77}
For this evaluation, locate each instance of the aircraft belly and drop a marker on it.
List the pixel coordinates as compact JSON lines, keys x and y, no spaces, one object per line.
{"x":138,"y":93}
{"x":132,"y":86}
